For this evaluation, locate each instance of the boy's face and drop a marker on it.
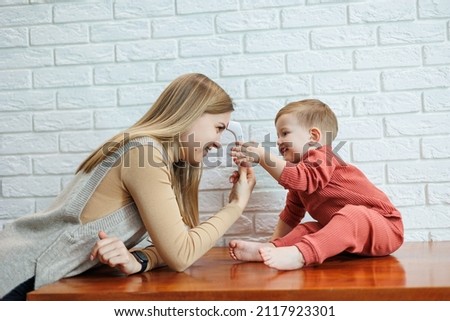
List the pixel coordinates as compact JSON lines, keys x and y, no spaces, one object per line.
{"x":292,"y":139}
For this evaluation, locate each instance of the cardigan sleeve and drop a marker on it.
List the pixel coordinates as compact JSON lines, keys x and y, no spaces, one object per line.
{"x":148,"y":181}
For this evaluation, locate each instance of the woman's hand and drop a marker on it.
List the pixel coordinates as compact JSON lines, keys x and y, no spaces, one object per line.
{"x":243,"y":183}
{"x":112,"y":251}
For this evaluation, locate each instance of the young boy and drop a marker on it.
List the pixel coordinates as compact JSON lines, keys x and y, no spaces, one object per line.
{"x":351,"y":214}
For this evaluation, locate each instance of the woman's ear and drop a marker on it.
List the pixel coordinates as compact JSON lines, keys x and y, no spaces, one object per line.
{"x":315,"y":134}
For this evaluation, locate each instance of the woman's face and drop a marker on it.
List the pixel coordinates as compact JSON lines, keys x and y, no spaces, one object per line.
{"x":202,"y":136}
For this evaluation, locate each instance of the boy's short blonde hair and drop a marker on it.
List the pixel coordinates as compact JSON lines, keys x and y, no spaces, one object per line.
{"x":312,"y":113}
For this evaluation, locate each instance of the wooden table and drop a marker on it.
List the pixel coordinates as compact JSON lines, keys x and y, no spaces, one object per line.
{"x":417,"y":271}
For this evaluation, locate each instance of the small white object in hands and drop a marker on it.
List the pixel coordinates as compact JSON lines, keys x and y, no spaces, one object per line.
{"x":236,"y":129}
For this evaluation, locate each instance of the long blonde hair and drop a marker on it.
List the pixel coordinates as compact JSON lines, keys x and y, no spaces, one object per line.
{"x":181,"y":103}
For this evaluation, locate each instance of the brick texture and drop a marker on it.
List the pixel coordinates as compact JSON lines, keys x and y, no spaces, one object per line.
{"x":73,"y":73}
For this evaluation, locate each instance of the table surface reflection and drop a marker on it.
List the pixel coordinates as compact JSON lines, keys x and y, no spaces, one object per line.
{"x":417,"y":271}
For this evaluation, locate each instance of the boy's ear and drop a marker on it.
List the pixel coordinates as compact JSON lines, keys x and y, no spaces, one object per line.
{"x":315,"y":134}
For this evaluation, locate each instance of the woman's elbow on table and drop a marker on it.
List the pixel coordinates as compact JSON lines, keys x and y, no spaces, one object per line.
{"x":179,"y":264}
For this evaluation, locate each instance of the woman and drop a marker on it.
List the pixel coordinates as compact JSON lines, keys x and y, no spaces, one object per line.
{"x":143,"y":180}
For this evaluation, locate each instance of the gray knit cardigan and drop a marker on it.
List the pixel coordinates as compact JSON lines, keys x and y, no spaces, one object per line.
{"x":54,"y":244}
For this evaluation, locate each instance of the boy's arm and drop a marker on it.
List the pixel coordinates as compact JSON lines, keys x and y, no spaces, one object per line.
{"x":292,"y":214}
{"x":253,"y":153}
{"x":280,"y":230}
{"x":294,"y":210}
{"x":272,"y":164}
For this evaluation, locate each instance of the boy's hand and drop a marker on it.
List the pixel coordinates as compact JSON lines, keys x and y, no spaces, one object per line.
{"x":244,"y":154}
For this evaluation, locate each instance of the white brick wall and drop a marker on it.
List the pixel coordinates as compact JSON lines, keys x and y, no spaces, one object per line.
{"x":75,"y":72}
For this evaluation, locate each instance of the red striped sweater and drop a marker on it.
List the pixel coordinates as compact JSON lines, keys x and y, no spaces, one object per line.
{"x":321,"y":184}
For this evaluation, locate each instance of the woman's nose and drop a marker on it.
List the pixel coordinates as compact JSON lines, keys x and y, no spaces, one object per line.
{"x":217,"y":139}
{"x":216,"y":142}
